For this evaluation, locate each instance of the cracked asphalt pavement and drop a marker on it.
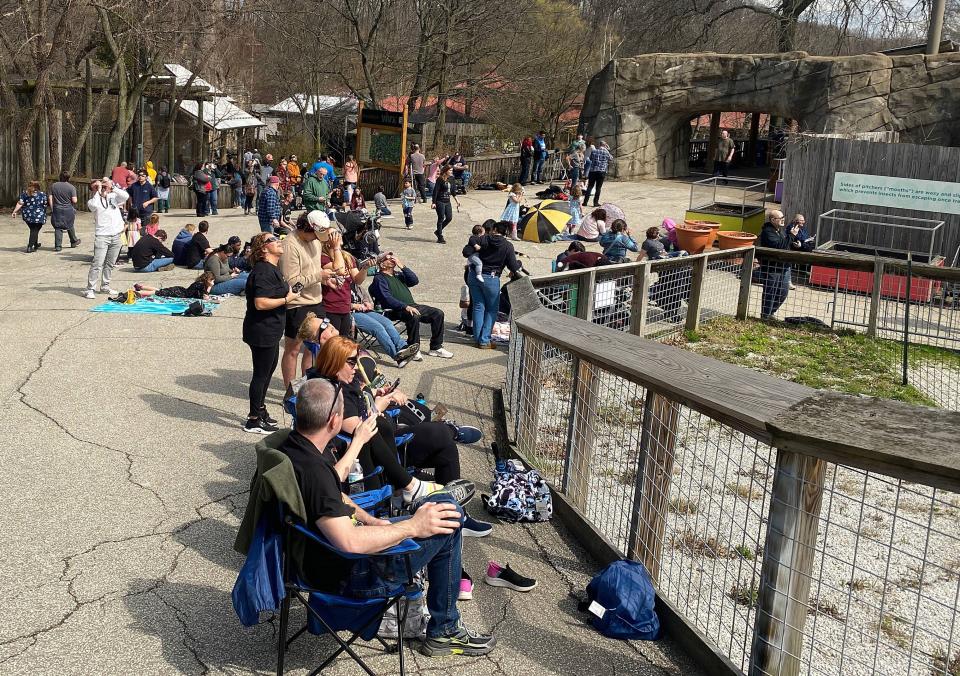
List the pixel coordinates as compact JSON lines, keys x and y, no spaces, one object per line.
{"x":126,"y":473}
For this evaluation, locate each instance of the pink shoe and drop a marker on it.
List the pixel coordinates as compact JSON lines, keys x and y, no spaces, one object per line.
{"x":466,"y":589}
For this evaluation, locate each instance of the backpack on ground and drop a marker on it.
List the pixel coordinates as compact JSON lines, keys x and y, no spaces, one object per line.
{"x":620,"y":600}
{"x":518,"y":494}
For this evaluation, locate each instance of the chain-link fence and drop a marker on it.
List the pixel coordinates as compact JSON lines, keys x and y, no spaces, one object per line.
{"x":867,"y":583}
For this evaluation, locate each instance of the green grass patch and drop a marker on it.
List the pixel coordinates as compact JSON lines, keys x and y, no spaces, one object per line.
{"x":843,"y":361}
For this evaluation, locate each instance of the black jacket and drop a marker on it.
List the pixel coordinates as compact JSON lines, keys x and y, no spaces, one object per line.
{"x":196,"y":250}
{"x":771,"y":238}
{"x":496,"y":253}
{"x":146,"y":249}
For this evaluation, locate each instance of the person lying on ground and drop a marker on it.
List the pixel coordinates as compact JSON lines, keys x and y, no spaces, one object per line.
{"x":199,"y":290}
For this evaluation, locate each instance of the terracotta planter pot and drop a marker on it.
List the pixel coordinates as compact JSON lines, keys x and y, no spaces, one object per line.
{"x":734,"y":240}
{"x":713,"y":225}
{"x":694,"y":238}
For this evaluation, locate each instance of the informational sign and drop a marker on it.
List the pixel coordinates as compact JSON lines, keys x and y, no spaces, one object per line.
{"x":899,"y":193}
{"x":381,"y":138}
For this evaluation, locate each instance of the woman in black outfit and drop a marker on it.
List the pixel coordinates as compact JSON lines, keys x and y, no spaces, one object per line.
{"x":441,"y":202}
{"x":200,"y":180}
{"x":267,"y":297}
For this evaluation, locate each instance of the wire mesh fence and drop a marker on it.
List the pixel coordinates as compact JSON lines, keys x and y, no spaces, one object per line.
{"x":694,"y":498}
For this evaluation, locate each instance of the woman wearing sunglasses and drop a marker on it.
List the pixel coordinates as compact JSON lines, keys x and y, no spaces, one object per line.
{"x":434,"y":444}
{"x":267,"y":296}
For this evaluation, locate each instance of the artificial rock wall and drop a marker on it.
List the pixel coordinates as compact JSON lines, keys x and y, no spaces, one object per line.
{"x":642,"y":105}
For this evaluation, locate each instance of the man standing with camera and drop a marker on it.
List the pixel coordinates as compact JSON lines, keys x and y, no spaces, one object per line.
{"x":107,"y":225}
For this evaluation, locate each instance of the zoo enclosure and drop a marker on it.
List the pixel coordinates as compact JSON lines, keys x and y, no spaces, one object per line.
{"x":788,"y":530}
{"x":660,"y":300}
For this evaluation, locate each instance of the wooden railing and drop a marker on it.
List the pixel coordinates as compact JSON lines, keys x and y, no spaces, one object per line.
{"x":181,"y":197}
{"x":762,"y":508}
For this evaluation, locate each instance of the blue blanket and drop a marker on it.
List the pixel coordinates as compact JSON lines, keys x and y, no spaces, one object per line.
{"x":151,"y":306}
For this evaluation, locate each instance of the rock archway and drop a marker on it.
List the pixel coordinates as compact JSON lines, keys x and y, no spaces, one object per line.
{"x":642,"y":105}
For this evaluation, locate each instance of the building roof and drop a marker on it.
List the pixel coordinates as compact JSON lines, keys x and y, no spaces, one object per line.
{"x":313,"y":104}
{"x":221,"y":112}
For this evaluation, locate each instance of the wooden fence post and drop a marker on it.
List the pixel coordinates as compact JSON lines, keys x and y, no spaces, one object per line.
{"x":697,"y":277}
{"x":582,"y":434}
{"x":640,"y":300}
{"x":746,"y":278}
{"x":875,"y":298}
{"x":788,"y":555}
{"x":651,"y":496}
{"x":585,"y":288}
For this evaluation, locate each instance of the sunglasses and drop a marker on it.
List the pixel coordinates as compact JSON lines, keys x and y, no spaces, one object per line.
{"x":352,"y":361}
{"x":270,"y":240}
{"x":337,"y":389}
{"x":324,"y":323}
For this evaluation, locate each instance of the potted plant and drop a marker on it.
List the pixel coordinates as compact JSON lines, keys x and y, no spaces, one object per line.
{"x":735,"y":240}
{"x":713,"y":225}
{"x":694,"y":238}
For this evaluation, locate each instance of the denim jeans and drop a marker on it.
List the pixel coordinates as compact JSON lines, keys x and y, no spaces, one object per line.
{"x":776,"y":285}
{"x":440,"y":555}
{"x":232,"y":286}
{"x":155,"y":265}
{"x":485,"y":300}
{"x":212,"y":202}
{"x":382,"y":329}
{"x":106,"y":249}
{"x":538,"y":169}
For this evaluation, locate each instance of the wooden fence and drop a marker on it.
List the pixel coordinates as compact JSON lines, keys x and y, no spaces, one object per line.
{"x":502,"y":168}
{"x":730,"y":486}
{"x":812,"y":163}
{"x":181,"y":197}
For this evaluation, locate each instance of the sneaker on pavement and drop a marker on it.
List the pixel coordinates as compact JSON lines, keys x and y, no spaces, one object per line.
{"x":167,"y":268}
{"x":418,"y":356}
{"x":466,"y":588}
{"x":472,"y":528}
{"x":461,"y":642}
{"x":89,"y":294}
{"x":109,"y":291}
{"x":406,"y":353}
{"x":265,"y":417}
{"x":468,"y":434}
{"x":440,"y":352}
{"x":257,"y":426}
{"x":74,"y":245}
{"x":499,"y":576}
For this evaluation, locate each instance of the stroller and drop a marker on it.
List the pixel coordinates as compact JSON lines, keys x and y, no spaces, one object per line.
{"x":361,"y":233}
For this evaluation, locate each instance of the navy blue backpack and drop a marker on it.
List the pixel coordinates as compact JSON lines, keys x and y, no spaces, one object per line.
{"x":620,"y":601}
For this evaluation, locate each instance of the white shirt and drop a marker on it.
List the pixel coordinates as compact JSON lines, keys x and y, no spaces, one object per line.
{"x":107,"y":219}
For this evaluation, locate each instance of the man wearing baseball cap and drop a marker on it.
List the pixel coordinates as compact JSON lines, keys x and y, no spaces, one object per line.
{"x":268,"y":207}
{"x":301,"y":264}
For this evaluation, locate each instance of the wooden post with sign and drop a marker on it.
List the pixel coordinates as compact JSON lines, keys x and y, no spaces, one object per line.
{"x":373,"y":123}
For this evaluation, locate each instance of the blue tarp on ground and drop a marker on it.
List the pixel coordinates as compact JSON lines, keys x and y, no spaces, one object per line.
{"x":151,"y":306}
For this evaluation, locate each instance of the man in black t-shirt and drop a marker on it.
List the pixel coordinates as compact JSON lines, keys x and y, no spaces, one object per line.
{"x":150,"y":255}
{"x":435,"y":526}
{"x":198,"y":248}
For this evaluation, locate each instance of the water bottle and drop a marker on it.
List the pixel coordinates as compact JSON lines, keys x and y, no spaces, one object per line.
{"x":355,"y":478}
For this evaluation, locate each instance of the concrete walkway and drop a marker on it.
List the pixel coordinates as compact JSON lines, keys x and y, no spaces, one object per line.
{"x":126,"y":472}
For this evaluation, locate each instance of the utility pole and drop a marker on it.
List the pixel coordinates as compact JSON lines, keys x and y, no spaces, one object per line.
{"x":936,"y":26}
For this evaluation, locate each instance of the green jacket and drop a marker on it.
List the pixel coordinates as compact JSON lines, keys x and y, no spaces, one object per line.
{"x":274,"y":481}
{"x":315,"y":193}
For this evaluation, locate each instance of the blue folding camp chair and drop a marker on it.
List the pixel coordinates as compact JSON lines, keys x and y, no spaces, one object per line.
{"x":270,"y":577}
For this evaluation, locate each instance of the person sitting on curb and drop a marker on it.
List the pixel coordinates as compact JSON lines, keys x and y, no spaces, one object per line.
{"x":181,"y":242}
{"x":150,"y":255}
{"x":198,"y":248}
{"x":391,"y":288}
{"x":225,"y":279}
{"x":435,"y":525}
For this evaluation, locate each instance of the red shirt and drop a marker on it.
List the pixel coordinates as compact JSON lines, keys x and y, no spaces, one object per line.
{"x":336,"y":301}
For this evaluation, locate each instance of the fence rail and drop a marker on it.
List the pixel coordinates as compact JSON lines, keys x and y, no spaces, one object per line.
{"x":795,"y":530}
{"x":181,"y":197}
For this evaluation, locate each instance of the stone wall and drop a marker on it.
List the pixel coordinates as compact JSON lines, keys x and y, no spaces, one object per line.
{"x":642,"y":106}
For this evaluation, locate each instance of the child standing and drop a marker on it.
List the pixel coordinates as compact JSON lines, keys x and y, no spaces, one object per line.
{"x":576,"y":209}
{"x":153,"y":225}
{"x":511,"y":212}
{"x":409,"y":197}
{"x":380,"y":201}
{"x":163,"y":191}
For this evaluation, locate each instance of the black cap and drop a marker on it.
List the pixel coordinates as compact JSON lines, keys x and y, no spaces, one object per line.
{"x":234,"y":240}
